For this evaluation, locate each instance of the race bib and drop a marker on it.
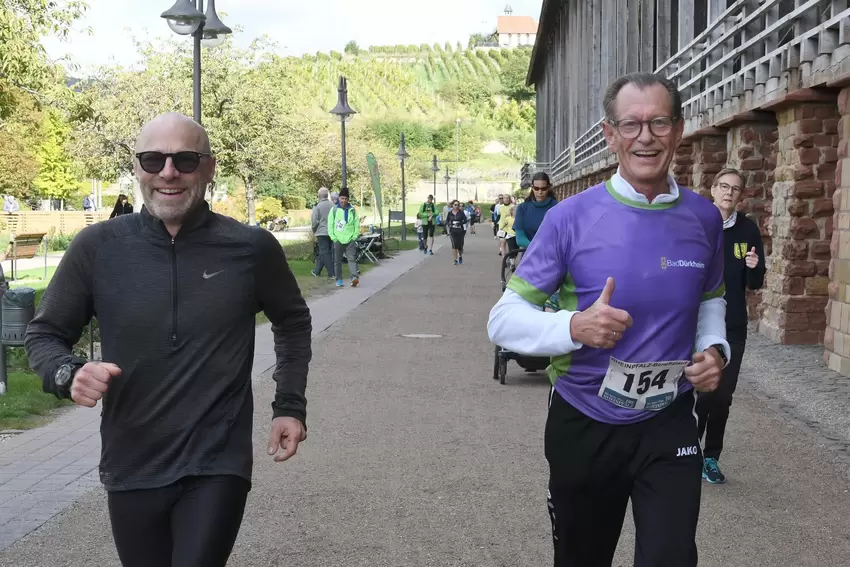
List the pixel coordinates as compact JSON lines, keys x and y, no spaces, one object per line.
{"x":650,"y":386}
{"x":340,"y":225}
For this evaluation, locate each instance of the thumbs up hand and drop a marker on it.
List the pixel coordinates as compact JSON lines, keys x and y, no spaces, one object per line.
{"x":600,"y":325}
{"x":752,"y":259}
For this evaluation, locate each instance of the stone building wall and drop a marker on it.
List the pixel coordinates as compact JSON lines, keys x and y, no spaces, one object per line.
{"x":801,"y":227}
{"x":837,"y":337}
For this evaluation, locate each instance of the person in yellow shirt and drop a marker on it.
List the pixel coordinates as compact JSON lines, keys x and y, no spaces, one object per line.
{"x":506,"y":234}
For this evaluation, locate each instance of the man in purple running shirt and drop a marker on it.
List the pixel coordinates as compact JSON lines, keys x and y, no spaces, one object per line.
{"x":625,"y":360}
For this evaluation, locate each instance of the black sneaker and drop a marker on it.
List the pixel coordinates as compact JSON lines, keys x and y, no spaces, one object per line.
{"x":711,"y":472}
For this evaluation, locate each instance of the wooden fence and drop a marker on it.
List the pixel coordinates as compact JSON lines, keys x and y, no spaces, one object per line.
{"x":70,"y":222}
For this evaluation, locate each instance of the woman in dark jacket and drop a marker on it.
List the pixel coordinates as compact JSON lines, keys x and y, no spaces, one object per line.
{"x":122,"y":206}
{"x":455,"y":223}
{"x":530,"y":214}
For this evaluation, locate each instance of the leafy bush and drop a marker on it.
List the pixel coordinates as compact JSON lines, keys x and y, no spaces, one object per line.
{"x":388,"y":132}
{"x":268,"y":208}
{"x":58,"y":242}
{"x":294,"y":202}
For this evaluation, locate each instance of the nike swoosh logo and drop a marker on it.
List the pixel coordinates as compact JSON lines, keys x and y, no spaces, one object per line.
{"x":208,"y":276}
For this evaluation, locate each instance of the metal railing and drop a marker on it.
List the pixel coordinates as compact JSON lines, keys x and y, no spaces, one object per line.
{"x":742,"y":60}
{"x":528,"y":170}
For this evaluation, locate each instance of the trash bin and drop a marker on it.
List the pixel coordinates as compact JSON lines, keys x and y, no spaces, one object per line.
{"x":18,"y":309}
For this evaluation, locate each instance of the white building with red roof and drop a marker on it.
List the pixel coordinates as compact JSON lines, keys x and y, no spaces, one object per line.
{"x":515,"y":31}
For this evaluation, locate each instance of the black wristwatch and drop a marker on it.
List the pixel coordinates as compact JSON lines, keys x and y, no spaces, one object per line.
{"x":64,"y":375}
{"x":719,"y":348}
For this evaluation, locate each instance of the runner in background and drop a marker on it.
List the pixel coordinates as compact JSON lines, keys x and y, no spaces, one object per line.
{"x":455,"y":221}
{"x":507,"y":236}
{"x":530,"y":213}
{"x":428,"y":216}
{"x":744,"y":269}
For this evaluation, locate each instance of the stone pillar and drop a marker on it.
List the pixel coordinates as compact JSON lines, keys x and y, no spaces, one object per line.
{"x":837,"y":337}
{"x":751,"y":148}
{"x":682,"y":166}
{"x":709,"y":157}
{"x":801,"y":228}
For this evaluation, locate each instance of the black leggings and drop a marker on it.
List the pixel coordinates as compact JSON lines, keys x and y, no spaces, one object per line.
{"x":191,"y":523}
{"x":713,"y":407}
{"x":457,"y":236}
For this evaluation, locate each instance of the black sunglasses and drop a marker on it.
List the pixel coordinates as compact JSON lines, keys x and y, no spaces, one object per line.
{"x":184,"y":162}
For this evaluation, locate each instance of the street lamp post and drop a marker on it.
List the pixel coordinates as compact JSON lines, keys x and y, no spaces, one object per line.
{"x":187,"y":17}
{"x":344,"y":112}
{"x":457,"y":157}
{"x":435,"y":168}
{"x":403,"y":155}
{"x":447,"y":178}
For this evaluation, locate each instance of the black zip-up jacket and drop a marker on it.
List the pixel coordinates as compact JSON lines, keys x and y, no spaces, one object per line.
{"x":177,"y":315}
{"x":737,"y":241}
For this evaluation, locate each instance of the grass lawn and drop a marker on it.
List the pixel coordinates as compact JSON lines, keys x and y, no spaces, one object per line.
{"x":25,"y":406}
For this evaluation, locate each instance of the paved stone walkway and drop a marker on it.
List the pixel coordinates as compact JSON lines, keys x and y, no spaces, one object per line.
{"x":794,"y":381}
{"x":416,"y":457}
{"x":43,"y":471}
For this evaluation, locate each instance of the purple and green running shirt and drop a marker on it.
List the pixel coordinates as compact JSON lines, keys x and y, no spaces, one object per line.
{"x":665,"y":258}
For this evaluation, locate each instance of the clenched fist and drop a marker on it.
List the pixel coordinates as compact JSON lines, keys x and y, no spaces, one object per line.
{"x":600,"y":325}
{"x":91,"y":382}
{"x":706,"y":370}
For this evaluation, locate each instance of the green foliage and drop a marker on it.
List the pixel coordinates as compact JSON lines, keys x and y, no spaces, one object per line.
{"x":18,"y":143}
{"x":269,"y":208}
{"x":294,"y":203}
{"x":23,"y":61}
{"x":388,"y":132}
{"x":56,"y":177}
{"x":57,"y":242}
{"x":513,"y":75}
{"x":352,"y":48}
{"x":479,"y":39}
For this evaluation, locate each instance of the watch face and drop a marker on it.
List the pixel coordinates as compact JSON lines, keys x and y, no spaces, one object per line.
{"x":64,"y":374}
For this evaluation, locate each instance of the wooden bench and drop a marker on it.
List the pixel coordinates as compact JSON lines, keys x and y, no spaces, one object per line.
{"x":25,"y":247}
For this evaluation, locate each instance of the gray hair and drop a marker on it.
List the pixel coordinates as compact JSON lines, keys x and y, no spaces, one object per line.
{"x":641,"y":81}
{"x":323,"y":193}
{"x":334,"y":196}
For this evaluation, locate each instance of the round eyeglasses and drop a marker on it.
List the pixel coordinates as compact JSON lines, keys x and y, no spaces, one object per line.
{"x":631,"y":129}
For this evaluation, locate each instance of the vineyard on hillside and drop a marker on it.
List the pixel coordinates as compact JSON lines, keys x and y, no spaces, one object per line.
{"x":427,"y":83}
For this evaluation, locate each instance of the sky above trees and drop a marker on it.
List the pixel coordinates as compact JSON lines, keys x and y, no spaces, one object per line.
{"x":297,"y":27}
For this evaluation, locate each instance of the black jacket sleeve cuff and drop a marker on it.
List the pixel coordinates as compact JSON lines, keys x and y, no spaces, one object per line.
{"x":279,"y":410}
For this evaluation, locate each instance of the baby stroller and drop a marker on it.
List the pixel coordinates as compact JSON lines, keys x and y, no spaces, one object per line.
{"x":527,"y":363}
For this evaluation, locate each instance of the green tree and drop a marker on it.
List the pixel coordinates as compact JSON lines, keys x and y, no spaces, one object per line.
{"x":56,"y":177}
{"x":352,"y":48}
{"x":18,"y":138}
{"x":23,"y":61}
{"x":513,"y":75}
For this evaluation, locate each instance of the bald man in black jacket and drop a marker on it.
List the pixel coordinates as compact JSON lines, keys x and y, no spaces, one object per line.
{"x":175,"y":289}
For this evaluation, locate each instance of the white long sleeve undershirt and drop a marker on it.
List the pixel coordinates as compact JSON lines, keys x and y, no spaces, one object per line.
{"x":522,"y":327}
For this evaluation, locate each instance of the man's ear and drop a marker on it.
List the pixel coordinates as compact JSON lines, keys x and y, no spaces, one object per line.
{"x":610,"y":135}
{"x":210,"y":170}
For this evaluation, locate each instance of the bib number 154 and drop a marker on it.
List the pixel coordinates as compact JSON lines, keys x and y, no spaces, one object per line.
{"x":648,"y":386}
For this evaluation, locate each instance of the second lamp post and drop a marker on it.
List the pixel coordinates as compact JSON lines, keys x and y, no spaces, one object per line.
{"x":403,"y":155}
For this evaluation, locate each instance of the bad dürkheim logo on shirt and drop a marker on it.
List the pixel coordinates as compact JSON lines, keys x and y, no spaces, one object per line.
{"x":667,"y":263}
